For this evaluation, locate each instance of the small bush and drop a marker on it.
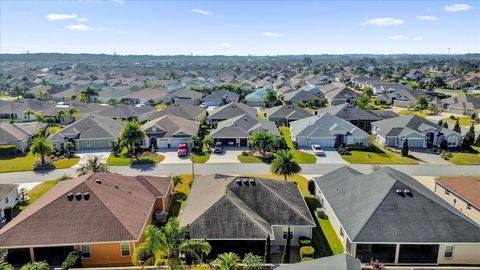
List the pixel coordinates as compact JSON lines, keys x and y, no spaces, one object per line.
{"x":452,"y":117}
{"x":8,"y":211}
{"x":8,"y":150}
{"x":304,"y":241}
{"x":307,"y":251}
{"x":245,"y":153}
{"x":311,"y":187}
{"x":73,"y":260}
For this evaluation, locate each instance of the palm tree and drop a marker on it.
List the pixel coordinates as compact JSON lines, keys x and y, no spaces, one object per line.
{"x":69,"y":147}
{"x":262,"y":141}
{"x":131,"y":134}
{"x":71,"y":112}
{"x":61,"y":116}
{"x":208,"y":142}
{"x":89,"y":93}
{"x":28,"y":113}
{"x":270,"y":97}
{"x":284,"y":164}
{"x":176,"y":180}
{"x":42,"y":95}
{"x":40,"y":117}
{"x":167,"y":242}
{"x":227,"y":261}
{"x":93,"y":164}
{"x":41,"y":146}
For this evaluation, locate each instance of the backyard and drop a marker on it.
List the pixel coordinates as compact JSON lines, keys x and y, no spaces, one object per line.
{"x":24,"y":162}
{"x":462,"y":121}
{"x":300,"y":156}
{"x":422,"y":114}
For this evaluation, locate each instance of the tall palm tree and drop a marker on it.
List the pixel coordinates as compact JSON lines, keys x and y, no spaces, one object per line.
{"x":71,"y":112}
{"x":41,"y":146}
{"x":40,"y":117}
{"x":69,"y":147}
{"x":167,"y":242}
{"x":176,"y":180}
{"x":284,"y":164}
{"x":28,"y":113}
{"x":131,"y":134}
{"x":93,"y":164}
{"x":89,"y":93}
{"x":227,"y":261}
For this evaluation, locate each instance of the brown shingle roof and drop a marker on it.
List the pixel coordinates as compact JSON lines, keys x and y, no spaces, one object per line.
{"x":117,"y":210}
{"x":467,"y":187}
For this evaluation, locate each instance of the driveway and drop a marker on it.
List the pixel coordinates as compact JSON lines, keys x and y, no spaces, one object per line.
{"x":229,"y":155}
{"x":331,"y":156}
{"x":87,"y":154}
{"x":426,"y":156}
{"x":172,"y":158}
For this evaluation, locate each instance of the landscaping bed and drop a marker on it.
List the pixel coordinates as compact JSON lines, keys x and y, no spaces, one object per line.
{"x":253,"y":157}
{"x":123,"y":159}
{"x":300,"y":156}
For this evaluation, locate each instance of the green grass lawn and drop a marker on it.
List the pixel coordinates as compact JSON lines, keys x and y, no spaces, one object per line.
{"x":161,"y":106}
{"x":181,"y":195}
{"x":381,"y":156}
{"x":422,"y":114}
{"x":261,"y":113}
{"x":253,"y":159}
{"x":36,"y":192}
{"x":300,"y":156}
{"x":462,"y":120}
{"x":144,"y":158}
{"x":200,"y":157}
{"x":466,"y":158}
{"x":54,"y":129}
{"x":25,"y":163}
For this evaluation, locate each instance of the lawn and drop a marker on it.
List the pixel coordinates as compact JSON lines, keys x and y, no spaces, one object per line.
{"x":36,"y":192}
{"x":466,"y":158}
{"x":25,"y":163}
{"x":254,"y":159}
{"x":161,"y":106}
{"x":53,"y":130}
{"x":181,"y":196}
{"x":144,"y":158}
{"x":300,"y":156}
{"x":261,"y":113}
{"x":422,"y":114}
{"x":200,"y":157}
{"x":462,"y":120}
{"x":382,"y":156}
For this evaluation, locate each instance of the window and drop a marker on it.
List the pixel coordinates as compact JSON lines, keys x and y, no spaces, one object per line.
{"x":285,"y":231}
{"x":125,"y":248}
{"x":452,"y":141}
{"x":358,"y":141}
{"x":448,"y":251}
{"x":86,"y":252}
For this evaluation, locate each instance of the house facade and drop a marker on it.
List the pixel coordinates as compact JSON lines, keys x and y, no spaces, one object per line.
{"x":8,"y":198}
{"x":169,"y":131}
{"x":283,"y":115}
{"x":19,"y":134}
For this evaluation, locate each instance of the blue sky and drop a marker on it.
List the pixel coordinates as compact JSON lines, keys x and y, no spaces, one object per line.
{"x":239,"y":27}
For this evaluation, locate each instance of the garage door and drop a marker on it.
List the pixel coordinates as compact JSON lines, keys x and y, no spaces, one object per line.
{"x":162,"y":143}
{"x":82,"y":144}
{"x":175,"y":142}
{"x":100,"y":144}
{"x":415,"y":143}
{"x":323,"y":142}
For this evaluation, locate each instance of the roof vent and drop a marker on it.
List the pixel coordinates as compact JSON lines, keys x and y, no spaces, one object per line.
{"x":408,"y":192}
{"x":78,"y":196}
{"x":116,"y":186}
{"x":86,"y":196}
{"x":239,"y":181}
{"x":252,"y":182}
{"x":70,"y":196}
{"x":245,"y":182}
{"x":98,"y":181}
{"x":400,"y":192}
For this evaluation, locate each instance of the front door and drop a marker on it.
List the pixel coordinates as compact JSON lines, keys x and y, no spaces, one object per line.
{"x":339,"y":140}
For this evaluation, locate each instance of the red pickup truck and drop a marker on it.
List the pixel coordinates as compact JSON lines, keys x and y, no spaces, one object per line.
{"x":182,"y":150}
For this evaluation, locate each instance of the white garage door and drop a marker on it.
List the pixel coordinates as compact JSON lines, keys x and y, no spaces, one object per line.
{"x":323,"y":142}
{"x":162,"y":143}
{"x":415,"y":143}
{"x":176,"y":141}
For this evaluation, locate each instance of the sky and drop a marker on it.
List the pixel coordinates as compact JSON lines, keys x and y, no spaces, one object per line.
{"x":239,"y":27}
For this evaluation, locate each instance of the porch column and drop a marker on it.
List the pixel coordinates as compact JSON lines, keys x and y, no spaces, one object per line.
{"x":237,"y":142}
{"x":397,"y":253}
{"x":32,"y":254}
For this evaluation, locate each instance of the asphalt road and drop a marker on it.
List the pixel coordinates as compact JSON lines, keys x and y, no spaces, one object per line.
{"x":239,"y":168}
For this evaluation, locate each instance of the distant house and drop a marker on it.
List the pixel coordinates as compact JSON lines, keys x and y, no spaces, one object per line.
{"x":386,"y":87}
{"x":383,"y":114}
{"x":236,"y":131}
{"x":229,"y":111}
{"x":169,"y":131}
{"x":283,"y":115}
{"x":350,"y":113}
{"x":90,"y":132}
{"x":103,"y":215}
{"x":183,"y":110}
{"x":413,"y":75}
{"x":327,"y":130}
{"x":8,"y":198}
{"x":340,"y":95}
{"x":391,"y":217}
{"x":185,"y":95}
{"x":243,"y":211}
{"x":19,"y":134}
{"x":403,"y":98}
{"x":317,"y":80}
{"x":128,"y":112}
{"x":143,"y":96}
{"x":220,"y":97}
{"x":298,"y":96}
{"x":337,"y":262}
{"x":462,"y":192}
{"x":257,"y":98}
{"x":421,"y":133}
{"x":462,"y":104}
{"x":15,"y":109}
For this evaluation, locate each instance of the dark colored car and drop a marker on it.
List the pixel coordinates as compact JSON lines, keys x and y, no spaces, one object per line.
{"x":218,"y":147}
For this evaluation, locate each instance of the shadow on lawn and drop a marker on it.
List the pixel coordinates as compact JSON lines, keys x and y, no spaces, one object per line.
{"x":320,"y":242}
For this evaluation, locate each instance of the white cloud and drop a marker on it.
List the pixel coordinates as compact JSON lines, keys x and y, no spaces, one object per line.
{"x":427,"y":18}
{"x":82,"y":19}
{"x":458,"y":7}
{"x":79,"y":27}
{"x":122,"y":32}
{"x":225,"y":44}
{"x":201,"y":11}
{"x":119,"y":2}
{"x":397,"y":37}
{"x":271,"y":34}
{"x":384,"y":22}
{"x":418,"y":38}
{"x":58,"y":17}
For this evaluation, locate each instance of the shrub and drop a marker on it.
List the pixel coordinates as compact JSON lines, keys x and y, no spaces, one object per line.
{"x":36,"y":266}
{"x":452,"y":117}
{"x":245,"y":153}
{"x":64,"y":177}
{"x":7,"y":150}
{"x":311,"y":186}
{"x":5,"y":265}
{"x":307,"y":251}
{"x":304,"y":241}
{"x":73,"y":260}
{"x":8,"y":210}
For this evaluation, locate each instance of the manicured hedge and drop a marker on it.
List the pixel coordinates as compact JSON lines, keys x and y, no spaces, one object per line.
{"x":307,"y":251}
{"x":304,"y":241}
{"x":7,"y":150}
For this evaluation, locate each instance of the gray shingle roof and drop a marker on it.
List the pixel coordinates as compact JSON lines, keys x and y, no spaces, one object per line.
{"x":240,"y":211}
{"x":370,"y":210}
{"x":405,"y":124}
{"x":125,"y":111}
{"x":299,"y":95}
{"x":243,"y":126}
{"x":90,"y":127}
{"x":5,"y":190}
{"x":341,"y":93}
{"x":289,"y":112}
{"x":337,"y":262}
{"x":231,"y":110}
{"x":219,"y":94}
{"x":17,"y":132}
{"x":183,"y":110}
{"x":349,"y":113}
{"x":324,"y":125}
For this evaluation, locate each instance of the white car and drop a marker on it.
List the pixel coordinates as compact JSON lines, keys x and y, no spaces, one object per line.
{"x":317,"y":150}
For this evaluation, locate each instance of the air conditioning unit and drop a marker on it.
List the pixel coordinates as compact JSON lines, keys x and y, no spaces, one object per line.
{"x":321,"y":212}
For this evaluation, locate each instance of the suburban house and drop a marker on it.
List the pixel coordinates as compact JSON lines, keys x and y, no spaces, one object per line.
{"x":15,"y":109}
{"x":183,"y":110}
{"x":229,"y":111}
{"x":421,"y":133}
{"x":386,"y":87}
{"x":220,"y":97}
{"x":88,"y":214}
{"x":8,"y":198}
{"x":243,"y":211}
{"x":350,"y":113}
{"x":403,"y":98}
{"x":340,"y":95}
{"x":128,"y":112}
{"x":169,"y":131}
{"x":298,"y":96}
{"x":90,"y":132}
{"x":283,"y":115}
{"x":337,"y":262}
{"x":462,"y":192}
{"x":185,"y":95}
{"x":236,"y":131}
{"x":327,"y":130}
{"x":145,"y":95}
{"x":19,"y":134}
{"x":257,"y":98}
{"x":462,"y":104}
{"x":390,"y":216}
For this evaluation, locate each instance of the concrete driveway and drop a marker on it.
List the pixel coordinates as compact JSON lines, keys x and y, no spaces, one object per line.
{"x":87,"y":154}
{"x":172,"y":158}
{"x":426,"y":156}
{"x":229,"y":155}
{"x":331,"y":156}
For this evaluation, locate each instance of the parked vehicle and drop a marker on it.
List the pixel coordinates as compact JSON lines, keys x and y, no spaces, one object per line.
{"x":182,"y":150}
{"x":218,"y":147}
{"x":317,"y":150}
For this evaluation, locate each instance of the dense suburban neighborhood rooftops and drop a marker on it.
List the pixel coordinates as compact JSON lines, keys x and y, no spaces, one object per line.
{"x":389,"y":206}
{"x":324,"y":125}
{"x":383,"y":114}
{"x":242,"y":207}
{"x":349,"y":113}
{"x":244,"y":125}
{"x":287,"y":112}
{"x":93,"y":126}
{"x":182,"y":109}
{"x":97,"y":213}
{"x":467,"y":187}
{"x":125,"y":111}
{"x":171,"y":126}
{"x":219,"y":94}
